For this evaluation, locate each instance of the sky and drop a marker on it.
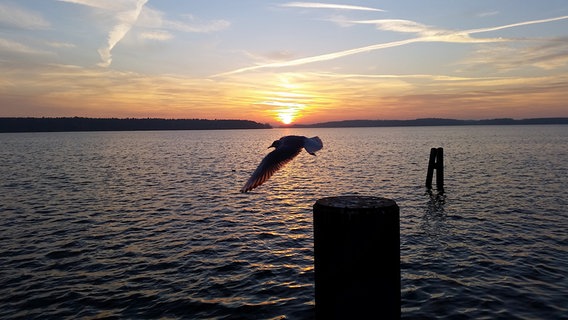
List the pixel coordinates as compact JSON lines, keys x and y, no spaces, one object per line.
{"x":284,"y":61}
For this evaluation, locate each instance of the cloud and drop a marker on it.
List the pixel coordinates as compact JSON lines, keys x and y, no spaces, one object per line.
{"x":431,"y":77}
{"x":14,"y":16}
{"x":518,"y":24}
{"x":126,"y":20}
{"x":272,"y":56}
{"x":195,"y":25}
{"x":151,"y":18}
{"x":551,"y":54}
{"x":56,"y":89}
{"x":487,"y":14}
{"x":7,"y":45}
{"x":56,"y":44}
{"x":156,"y":35}
{"x":318,"y":5}
{"x":109,"y":5}
{"x":425,"y":34}
{"x":126,"y":14}
{"x":404,"y":26}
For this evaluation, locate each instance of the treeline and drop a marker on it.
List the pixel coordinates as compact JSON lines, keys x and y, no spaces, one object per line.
{"x":115,"y":124}
{"x":432,"y":122}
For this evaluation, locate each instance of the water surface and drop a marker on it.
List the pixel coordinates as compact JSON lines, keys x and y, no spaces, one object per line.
{"x":142,"y":225}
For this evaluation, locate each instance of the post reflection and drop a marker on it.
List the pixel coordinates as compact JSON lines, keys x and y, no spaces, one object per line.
{"x":434,"y":218}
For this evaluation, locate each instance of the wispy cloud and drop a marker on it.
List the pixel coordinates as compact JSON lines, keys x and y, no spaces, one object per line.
{"x":425,"y":34}
{"x":57,"y":44}
{"x":319,"y":5}
{"x":405,"y":26}
{"x":518,"y":24}
{"x":487,"y":14}
{"x":155,"y":19}
{"x":15,"y":16}
{"x":110,"y":5}
{"x":193,"y":24}
{"x":126,"y":20}
{"x":156,"y":35}
{"x":152,"y":18}
{"x":426,"y":31}
{"x":272,"y":56}
{"x":551,"y":54}
{"x":432,"y":77}
{"x":7,"y":45}
{"x":126,"y":14}
{"x":57,"y":88}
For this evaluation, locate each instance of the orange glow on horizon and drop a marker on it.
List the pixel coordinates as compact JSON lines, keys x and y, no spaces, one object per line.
{"x":287,"y":115}
{"x":286,"y":118}
{"x":286,"y":101}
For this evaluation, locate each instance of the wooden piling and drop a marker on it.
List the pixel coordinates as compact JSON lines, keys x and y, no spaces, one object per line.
{"x":440,"y":169}
{"x":357,"y":258}
{"x":431,"y":166}
{"x":436,"y":162}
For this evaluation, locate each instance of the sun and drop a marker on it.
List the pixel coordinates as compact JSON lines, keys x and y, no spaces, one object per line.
{"x":286,"y":118}
{"x":286,"y":101}
{"x":283,"y":112}
{"x":287,"y":112}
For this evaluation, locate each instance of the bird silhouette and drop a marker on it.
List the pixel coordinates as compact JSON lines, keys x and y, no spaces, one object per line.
{"x":285,"y":149}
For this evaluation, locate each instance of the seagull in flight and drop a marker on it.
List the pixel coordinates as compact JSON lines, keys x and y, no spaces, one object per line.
{"x":285,"y":149}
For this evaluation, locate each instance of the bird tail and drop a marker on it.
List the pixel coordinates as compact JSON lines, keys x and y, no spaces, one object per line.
{"x":313,"y":144}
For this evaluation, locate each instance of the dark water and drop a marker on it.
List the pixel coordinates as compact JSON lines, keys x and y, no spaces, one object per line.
{"x":146,"y":225}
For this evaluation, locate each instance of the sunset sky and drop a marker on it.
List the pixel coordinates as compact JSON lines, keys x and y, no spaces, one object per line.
{"x":280,"y":61}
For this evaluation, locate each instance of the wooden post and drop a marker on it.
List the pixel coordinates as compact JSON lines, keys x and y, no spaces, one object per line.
{"x":440,"y":170}
{"x":436,"y":162}
{"x":357,"y":258}
{"x":431,"y":166}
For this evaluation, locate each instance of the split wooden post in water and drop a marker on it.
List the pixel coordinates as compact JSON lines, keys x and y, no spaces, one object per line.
{"x":436,"y":162}
{"x":356,"y":258}
{"x":440,"y":170}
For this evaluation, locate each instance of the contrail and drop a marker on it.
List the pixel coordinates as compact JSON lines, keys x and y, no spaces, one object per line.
{"x":127,"y":20}
{"x":317,"y":5}
{"x":455,"y":36}
{"x":518,"y":24}
{"x":340,"y":54}
{"x":323,"y":57}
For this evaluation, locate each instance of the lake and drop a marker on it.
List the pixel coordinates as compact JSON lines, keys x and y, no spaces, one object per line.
{"x":146,"y":225}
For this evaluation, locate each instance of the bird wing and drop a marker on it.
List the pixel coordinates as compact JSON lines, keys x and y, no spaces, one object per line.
{"x":313,"y":144}
{"x":270,"y":164}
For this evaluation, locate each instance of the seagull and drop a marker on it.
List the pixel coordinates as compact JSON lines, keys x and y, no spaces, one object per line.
{"x":285,"y":149}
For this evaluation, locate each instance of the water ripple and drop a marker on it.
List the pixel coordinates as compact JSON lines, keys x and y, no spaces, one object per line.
{"x":126,"y":225}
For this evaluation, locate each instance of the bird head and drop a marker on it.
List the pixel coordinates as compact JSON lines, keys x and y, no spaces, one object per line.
{"x":275,"y":144}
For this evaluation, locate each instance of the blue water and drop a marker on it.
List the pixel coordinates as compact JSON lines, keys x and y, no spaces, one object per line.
{"x":146,"y":225}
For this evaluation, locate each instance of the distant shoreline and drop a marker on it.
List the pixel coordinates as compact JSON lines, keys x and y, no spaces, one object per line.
{"x":75,"y":124}
{"x":430,"y":122}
